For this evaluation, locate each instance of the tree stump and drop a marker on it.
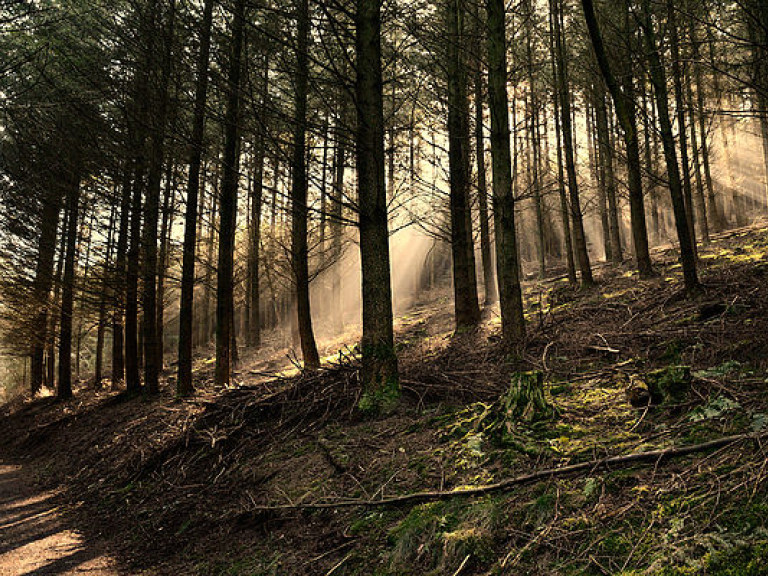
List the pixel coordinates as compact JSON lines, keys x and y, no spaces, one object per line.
{"x":672,"y":383}
{"x":524,"y":401}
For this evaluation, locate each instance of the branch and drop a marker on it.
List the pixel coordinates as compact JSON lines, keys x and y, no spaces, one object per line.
{"x":655,"y":456}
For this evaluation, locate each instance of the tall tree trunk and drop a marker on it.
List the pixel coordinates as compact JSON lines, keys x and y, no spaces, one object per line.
{"x":337,"y":230}
{"x":533,"y":129}
{"x":677,"y":83}
{"x":379,"y":373}
{"x":700,"y":201}
{"x":253,"y":323}
{"x":132,"y":378}
{"x":151,"y":332}
{"x":64,"y":389}
{"x":564,"y":210}
{"x":598,"y":174}
{"x":299,"y":212}
{"x":46,"y":253}
{"x":466,"y":305}
{"x":56,"y":301}
{"x":489,"y":284}
{"x":168,"y":212}
{"x":507,"y":266}
{"x":184,"y":385}
{"x":625,"y":110}
{"x":580,"y":241}
{"x":606,"y":165}
{"x":228,"y":204}
{"x":713,"y":214}
{"x":658,"y":78}
{"x":118,"y":279}
{"x":101,"y":325}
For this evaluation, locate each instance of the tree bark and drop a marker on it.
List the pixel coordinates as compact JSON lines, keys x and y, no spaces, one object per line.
{"x":658,"y":78}
{"x":625,"y":110}
{"x":677,"y":83}
{"x":46,"y":253}
{"x":299,"y":211}
{"x":606,"y":165}
{"x":64,"y":388}
{"x":152,"y":342}
{"x":228,"y":204}
{"x":184,"y":384}
{"x":507,"y":265}
{"x":489,"y":283}
{"x":379,"y":373}
{"x":580,"y":241}
{"x":466,"y":306}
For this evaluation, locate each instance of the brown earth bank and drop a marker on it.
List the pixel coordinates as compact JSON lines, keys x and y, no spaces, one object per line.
{"x":228,"y":482}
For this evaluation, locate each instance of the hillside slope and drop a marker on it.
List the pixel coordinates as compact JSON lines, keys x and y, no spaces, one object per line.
{"x":229,"y":481}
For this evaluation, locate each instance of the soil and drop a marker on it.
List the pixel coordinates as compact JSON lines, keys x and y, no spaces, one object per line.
{"x":36,"y":537}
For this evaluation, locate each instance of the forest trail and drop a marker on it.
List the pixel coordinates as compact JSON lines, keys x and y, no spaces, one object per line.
{"x":34,"y":540}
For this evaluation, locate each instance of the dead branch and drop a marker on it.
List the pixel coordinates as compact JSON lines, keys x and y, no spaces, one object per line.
{"x":655,"y":456}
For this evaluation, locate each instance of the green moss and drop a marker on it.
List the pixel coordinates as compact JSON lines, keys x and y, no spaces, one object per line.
{"x":383,"y":400}
{"x":746,"y":560}
{"x":671,"y":383}
{"x":438,"y":536}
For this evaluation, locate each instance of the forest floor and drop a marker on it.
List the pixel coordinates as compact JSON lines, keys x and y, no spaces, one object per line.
{"x":282,"y":475}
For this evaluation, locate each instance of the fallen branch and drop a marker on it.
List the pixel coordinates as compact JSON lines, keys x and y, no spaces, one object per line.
{"x":651,"y":456}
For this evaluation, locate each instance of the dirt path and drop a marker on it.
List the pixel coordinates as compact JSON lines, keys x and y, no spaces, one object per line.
{"x":33,"y":538}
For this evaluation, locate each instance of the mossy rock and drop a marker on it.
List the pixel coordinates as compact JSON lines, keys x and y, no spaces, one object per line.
{"x":671,"y":385}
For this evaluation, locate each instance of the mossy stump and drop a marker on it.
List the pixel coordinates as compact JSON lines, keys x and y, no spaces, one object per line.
{"x":525,"y":401}
{"x":671,"y":384}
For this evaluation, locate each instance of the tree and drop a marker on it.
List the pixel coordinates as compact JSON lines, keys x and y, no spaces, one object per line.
{"x":580,"y":241}
{"x":379,"y":372}
{"x":184,"y":384}
{"x":507,"y":266}
{"x":299,"y":213}
{"x":228,"y":204}
{"x":466,"y":306}
{"x":625,"y":111}
{"x":659,"y":80}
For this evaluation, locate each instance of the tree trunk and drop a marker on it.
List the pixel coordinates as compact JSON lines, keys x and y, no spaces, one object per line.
{"x":184,"y":384}
{"x":228,"y":204}
{"x":677,"y":83}
{"x":118,"y":280}
{"x":701,"y":204}
{"x":658,"y":78}
{"x":466,"y":305}
{"x":489,"y":284}
{"x":507,"y":266}
{"x":299,"y":212}
{"x":102,"y":317}
{"x":625,"y":110}
{"x":606,"y":166}
{"x":379,"y":373}
{"x":253,"y":323}
{"x":337,"y":229}
{"x":159,"y":118}
{"x":64,"y":389}
{"x":168,"y":210}
{"x":564,"y":210}
{"x":132,"y":378}
{"x":46,"y":253}
{"x":580,"y":241}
